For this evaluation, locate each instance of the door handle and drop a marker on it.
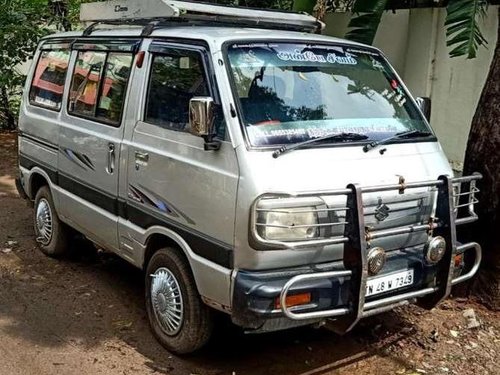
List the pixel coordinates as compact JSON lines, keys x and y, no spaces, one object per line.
{"x":111,"y":158}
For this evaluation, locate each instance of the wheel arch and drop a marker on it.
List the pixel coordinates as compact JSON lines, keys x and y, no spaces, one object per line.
{"x":36,"y":179}
{"x":157,"y":241}
{"x":212,"y":281}
{"x":158,"y":237}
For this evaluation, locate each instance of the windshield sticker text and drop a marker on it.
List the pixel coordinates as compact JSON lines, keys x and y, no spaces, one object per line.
{"x":317,"y":132}
{"x":310,"y":56}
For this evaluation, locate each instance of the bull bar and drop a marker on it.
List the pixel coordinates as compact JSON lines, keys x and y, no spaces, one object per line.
{"x":450,"y":199}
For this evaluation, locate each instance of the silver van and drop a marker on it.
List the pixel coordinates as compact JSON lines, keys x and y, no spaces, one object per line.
{"x":246,"y":163}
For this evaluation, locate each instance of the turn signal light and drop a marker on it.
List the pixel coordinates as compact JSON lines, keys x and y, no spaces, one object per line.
{"x":294,"y":300}
{"x":458,"y":260}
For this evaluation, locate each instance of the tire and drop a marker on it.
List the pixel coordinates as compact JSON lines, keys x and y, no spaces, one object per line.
{"x":51,"y":234}
{"x":191,"y":326}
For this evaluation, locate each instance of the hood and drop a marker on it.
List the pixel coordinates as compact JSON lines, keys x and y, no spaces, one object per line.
{"x":327,"y":168}
{"x":324,"y":169}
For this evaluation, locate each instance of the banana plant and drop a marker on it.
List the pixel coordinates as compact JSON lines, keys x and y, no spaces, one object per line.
{"x":367,"y":15}
{"x":463,"y":32}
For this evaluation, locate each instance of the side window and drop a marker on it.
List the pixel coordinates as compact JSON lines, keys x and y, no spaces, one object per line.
{"x":99,"y":84}
{"x":176,"y":77}
{"x":47,"y":86}
{"x":114,"y":87}
{"x":85,"y":83}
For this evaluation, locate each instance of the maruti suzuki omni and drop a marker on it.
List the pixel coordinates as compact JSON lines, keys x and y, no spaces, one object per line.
{"x":246,"y":163}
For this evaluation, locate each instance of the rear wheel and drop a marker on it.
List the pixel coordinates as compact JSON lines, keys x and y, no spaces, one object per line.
{"x":179,"y":319}
{"x":51,"y":234}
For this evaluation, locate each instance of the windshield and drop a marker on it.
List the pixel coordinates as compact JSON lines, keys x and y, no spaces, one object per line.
{"x":292,"y":92}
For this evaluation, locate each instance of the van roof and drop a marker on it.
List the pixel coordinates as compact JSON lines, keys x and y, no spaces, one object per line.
{"x":214,"y":35}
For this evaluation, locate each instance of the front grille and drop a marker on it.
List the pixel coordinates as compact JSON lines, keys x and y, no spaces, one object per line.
{"x":407,"y":215}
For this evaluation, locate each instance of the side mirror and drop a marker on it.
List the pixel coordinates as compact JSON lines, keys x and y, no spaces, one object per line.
{"x":202,"y":120}
{"x":425,"y":106}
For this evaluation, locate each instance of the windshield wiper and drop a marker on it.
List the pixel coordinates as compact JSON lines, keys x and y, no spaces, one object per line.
{"x":339,"y":137}
{"x":406,"y":134}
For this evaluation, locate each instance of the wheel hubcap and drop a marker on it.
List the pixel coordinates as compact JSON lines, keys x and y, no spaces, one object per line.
{"x":44,"y":222}
{"x":166,"y":299}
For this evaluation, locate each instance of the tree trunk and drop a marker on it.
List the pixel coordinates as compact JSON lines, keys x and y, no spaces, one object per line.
{"x":59,"y":8}
{"x":483,"y":155}
{"x":7,"y":119}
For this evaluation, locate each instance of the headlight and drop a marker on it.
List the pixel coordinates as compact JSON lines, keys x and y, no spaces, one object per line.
{"x":288,"y":224}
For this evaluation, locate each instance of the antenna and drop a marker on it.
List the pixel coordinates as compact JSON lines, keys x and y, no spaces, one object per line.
{"x":171,"y":11}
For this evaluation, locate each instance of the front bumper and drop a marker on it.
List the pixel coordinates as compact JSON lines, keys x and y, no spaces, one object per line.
{"x":338,"y":290}
{"x":256,"y":293}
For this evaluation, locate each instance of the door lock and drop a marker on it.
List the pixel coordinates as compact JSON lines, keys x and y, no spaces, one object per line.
{"x":141,"y":158}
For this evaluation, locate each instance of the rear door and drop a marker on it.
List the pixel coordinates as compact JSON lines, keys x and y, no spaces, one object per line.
{"x":91,"y":135}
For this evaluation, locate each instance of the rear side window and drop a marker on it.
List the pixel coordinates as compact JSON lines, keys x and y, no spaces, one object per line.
{"x":114,"y":86}
{"x":99,"y":84}
{"x":176,"y":77}
{"x":85,"y":83}
{"x":47,"y":86}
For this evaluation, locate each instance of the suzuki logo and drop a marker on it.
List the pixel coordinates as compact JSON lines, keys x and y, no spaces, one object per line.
{"x":382,"y":211}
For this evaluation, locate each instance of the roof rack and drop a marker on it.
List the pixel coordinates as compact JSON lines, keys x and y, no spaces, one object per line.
{"x":156,"y":13}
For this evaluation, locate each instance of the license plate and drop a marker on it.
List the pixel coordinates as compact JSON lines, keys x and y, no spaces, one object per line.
{"x":389,"y":282}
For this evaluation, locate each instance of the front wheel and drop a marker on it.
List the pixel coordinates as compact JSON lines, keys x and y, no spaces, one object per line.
{"x":179,"y":319}
{"x":51,"y":234}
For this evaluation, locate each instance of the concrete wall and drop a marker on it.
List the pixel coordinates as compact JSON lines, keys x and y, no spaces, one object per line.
{"x":391,"y":36}
{"x":415,"y":43}
{"x":456,"y":87}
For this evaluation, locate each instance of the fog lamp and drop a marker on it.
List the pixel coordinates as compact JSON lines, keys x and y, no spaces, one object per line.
{"x":436,"y":247}
{"x":376,"y":260}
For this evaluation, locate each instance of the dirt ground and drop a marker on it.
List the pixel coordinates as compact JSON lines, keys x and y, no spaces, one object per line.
{"x":85,"y":315}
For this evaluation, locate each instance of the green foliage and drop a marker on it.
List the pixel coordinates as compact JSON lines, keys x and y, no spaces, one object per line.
{"x":320,"y":7}
{"x":21,"y":25}
{"x":73,"y":14}
{"x":463,"y":31}
{"x":304,"y":5}
{"x":363,"y":26}
{"x":20,"y":28}
{"x":462,"y":22}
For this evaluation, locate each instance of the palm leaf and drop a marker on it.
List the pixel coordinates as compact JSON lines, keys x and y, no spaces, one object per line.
{"x":463,"y":34}
{"x":363,"y":26}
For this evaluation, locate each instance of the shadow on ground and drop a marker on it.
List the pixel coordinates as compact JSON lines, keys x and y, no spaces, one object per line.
{"x":95,"y":299}
{"x":93,"y":302}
